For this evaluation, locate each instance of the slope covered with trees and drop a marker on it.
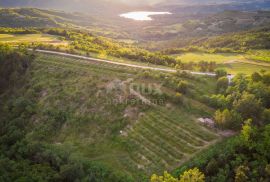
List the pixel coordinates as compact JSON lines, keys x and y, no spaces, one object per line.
{"x":228,"y":43}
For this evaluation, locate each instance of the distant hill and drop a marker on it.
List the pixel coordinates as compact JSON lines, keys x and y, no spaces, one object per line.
{"x":32,"y":17}
{"x":108,"y":8}
{"x":209,"y":6}
{"x":100,"y":7}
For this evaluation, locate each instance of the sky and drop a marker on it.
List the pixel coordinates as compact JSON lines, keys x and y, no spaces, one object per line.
{"x":142,"y":2}
{"x":151,"y":2}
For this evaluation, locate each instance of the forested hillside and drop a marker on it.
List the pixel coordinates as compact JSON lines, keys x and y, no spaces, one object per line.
{"x":232,"y":42}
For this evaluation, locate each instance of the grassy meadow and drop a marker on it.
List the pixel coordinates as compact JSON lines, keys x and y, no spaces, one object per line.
{"x":218,"y":58}
{"x":259,"y":55}
{"x":232,"y":62}
{"x":31,"y":38}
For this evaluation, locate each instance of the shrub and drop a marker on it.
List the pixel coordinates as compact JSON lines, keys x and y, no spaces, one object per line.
{"x":220,"y":73}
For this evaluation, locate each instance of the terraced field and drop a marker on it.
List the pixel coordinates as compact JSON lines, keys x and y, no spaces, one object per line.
{"x":154,"y":139}
{"x":164,"y":139}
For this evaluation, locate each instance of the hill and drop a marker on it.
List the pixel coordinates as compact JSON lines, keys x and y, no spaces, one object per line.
{"x":93,"y":7}
{"x":31,"y":17}
{"x":134,"y":125}
{"x":231,"y":42}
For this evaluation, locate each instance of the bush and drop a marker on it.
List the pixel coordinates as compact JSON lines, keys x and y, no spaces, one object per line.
{"x":183,"y":87}
{"x":228,"y":119}
{"x":222,"y":84}
{"x":221,"y":73}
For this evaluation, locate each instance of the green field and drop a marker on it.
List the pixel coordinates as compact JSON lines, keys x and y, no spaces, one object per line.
{"x":218,"y":58}
{"x":29,"y":38}
{"x":259,"y":55}
{"x":233,"y":63}
{"x":240,"y":67}
{"x":137,"y":138}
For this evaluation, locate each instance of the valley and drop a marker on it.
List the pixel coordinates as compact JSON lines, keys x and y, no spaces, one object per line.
{"x":152,"y":90}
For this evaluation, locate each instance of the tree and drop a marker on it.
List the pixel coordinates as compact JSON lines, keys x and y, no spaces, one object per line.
{"x":179,"y":98}
{"x":248,"y":106}
{"x":182,"y":87}
{"x":261,"y":91}
{"x":212,"y":167}
{"x":266,"y":116}
{"x":266,"y":78}
{"x":246,"y":132}
{"x":192,"y":175}
{"x":240,"y":83}
{"x":222,"y":84}
{"x":241,"y":174}
{"x":220,"y":73}
{"x":227,"y":119}
{"x":256,"y":77}
{"x":165,"y":178}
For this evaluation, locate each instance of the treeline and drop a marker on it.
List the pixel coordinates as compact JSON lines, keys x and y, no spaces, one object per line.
{"x":25,"y":159}
{"x":95,"y":44}
{"x":83,"y":42}
{"x":229,"y":43}
{"x":5,"y":30}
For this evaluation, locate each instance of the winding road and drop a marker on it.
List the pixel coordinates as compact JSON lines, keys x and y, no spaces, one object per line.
{"x":120,"y":64}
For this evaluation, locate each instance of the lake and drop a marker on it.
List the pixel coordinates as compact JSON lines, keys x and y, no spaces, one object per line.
{"x":142,"y":15}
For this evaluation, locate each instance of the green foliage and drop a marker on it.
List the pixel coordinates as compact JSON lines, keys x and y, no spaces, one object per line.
{"x":266,"y":116}
{"x":165,"y":178}
{"x":227,"y":43}
{"x":246,"y":98}
{"x":221,"y":73}
{"x":242,"y":158}
{"x":246,"y":132}
{"x":25,"y":154}
{"x":228,"y":119}
{"x":179,"y":98}
{"x":12,"y":66}
{"x":256,"y":77}
{"x":182,"y":87}
{"x":249,"y":107}
{"x":218,"y":101}
{"x":222,"y":84}
{"x":192,"y":175}
{"x":241,"y":174}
